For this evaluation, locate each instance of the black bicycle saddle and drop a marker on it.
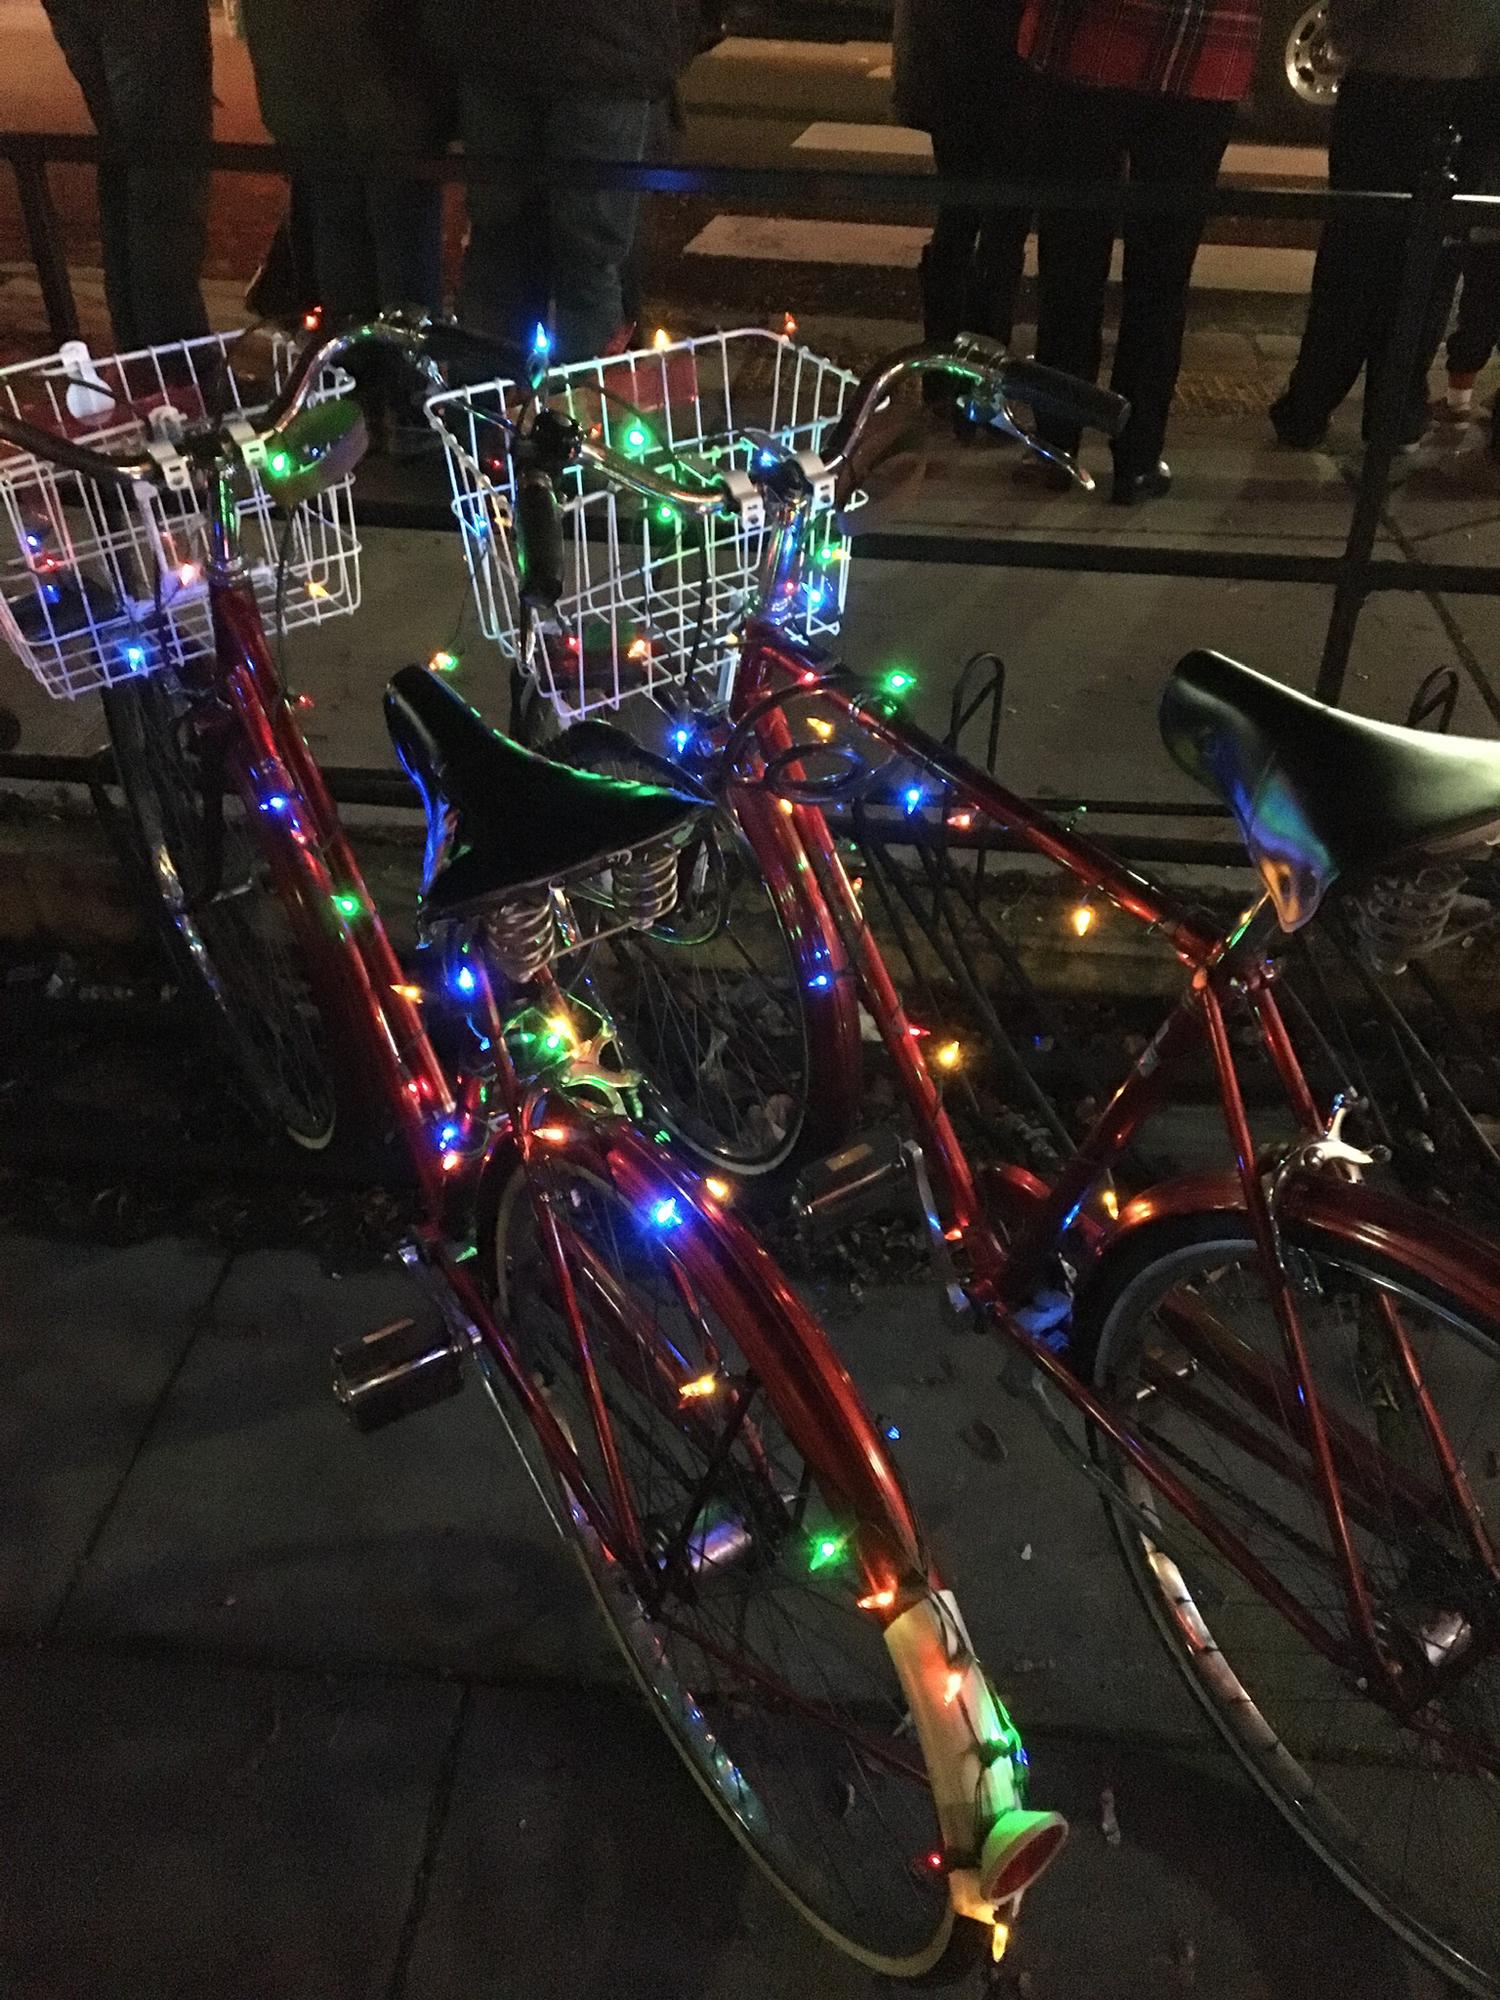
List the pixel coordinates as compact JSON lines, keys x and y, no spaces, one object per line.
{"x":500,"y":818}
{"x":1319,"y":793}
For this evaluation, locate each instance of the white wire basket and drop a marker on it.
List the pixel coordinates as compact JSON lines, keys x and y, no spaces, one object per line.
{"x":649,"y":600}
{"x":100,"y":583}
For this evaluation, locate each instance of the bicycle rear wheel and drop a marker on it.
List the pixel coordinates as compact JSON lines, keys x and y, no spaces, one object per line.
{"x":776,"y":1687}
{"x":746,"y":1062}
{"x":1186,"y":1349}
{"x":229,"y":936}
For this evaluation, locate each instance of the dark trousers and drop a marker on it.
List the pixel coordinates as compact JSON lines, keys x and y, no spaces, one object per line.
{"x":1477,"y":334}
{"x":145,"y":68}
{"x":553,"y":255}
{"x":1097,"y":138}
{"x":1385,"y":135}
{"x":377,"y":241}
{"x":971,"y":269}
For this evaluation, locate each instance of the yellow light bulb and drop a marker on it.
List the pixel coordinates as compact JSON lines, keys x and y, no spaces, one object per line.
{"x":785,"y":805}
{"x":1110,"y":1203}
{"x":316,"y":589}
{"x":999,"y":1939}
{"x":638,"y":649}
{"x":700,"y":1386}
{"x":952,"y":1687}
{"x":408,"y":992}
{"x":660,"y":339}
{"x":821,"y":729}
{"x":878,"y":1600}
{"x":720,"y":1190}
{"x":550,"y":1135}
{"x":1082,"y":919}
{"x":561,"y":1027}
{"x":948,"y":1055}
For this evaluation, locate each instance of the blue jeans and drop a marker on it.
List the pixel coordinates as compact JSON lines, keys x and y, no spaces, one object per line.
{"x":549,"y":254}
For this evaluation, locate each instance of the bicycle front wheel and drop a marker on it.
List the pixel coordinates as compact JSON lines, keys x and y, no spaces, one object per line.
{"x":747,"y":1635}
{"x":1405,"y":1810}
{"x":228,"y":934}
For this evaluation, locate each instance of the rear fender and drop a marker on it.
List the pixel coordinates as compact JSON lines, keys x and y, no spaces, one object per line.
{"x":1383,"y":1227}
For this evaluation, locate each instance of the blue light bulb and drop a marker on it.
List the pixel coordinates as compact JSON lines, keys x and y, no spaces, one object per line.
{"x":541,"y":340}
{"x":681,"y":738}
{"x":912,"y":797}
{"x":666,"y":1214}
{"x":464,"y":979}
{"x":134,"y":657}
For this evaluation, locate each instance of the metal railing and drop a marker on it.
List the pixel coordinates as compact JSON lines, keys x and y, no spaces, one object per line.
{"x":1427,"y":220}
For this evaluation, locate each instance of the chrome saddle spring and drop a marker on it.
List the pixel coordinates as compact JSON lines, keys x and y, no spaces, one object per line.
{"x":644,"y":885}
{"x":1402,"y":917}
{"x":523,"y":934}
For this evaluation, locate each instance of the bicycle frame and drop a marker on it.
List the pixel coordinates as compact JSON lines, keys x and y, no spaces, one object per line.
{"x":451,"y":1138}
{"x":1005,"y":1273}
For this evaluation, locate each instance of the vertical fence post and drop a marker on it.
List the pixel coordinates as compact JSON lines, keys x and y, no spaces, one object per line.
{"x":39,"y":213}
{"x":1426,"y":229}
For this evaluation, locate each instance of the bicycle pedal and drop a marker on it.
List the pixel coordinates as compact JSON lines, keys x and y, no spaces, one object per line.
{"x":394,"y":1372}
{"x":872,"y":1176}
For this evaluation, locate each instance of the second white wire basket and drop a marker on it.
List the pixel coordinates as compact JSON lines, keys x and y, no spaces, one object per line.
{"x":649,"y":599}
{"x":99,"y":583}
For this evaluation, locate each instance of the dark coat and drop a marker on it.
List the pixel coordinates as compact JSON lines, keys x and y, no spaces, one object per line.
{"x":596,"y":48}
{"x":949,"y":55}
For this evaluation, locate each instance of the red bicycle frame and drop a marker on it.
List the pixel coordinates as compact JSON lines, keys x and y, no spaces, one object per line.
{"x":451,"y":1137}
{"x":1005,"y":1272}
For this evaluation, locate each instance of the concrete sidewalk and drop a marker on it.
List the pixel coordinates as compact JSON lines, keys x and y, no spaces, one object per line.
{"x":291,"y":1714}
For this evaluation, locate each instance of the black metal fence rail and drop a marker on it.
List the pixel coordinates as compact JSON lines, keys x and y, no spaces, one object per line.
{"x":1426,"y":220}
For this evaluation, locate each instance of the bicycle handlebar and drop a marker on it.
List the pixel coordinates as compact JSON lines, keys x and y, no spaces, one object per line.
{"x":430,"y":346}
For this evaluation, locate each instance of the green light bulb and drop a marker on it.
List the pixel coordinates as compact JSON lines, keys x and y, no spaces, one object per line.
{"x":279,"y":463}
{"x":826,"y":1549}
{"x":347,"y":906}
{"x":899,"y":681}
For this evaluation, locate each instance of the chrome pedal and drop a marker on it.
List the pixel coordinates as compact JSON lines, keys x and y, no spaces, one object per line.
{"x":394,"y":1372}
{"x":871,"y":1176}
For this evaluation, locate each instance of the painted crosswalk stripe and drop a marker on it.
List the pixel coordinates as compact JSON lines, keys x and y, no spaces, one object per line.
{"x":774,"y":239}
{"x":1262,"y":163}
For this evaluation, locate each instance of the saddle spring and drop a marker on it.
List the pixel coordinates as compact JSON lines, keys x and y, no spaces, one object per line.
{"x":523,"y":934}
{"x":643,"y":885}
{"x":1402,"y":917}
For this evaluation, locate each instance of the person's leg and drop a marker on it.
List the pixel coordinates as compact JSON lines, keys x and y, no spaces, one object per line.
{"x":1079,"y":138}
{"x":75,"y":27}
{"x":591,"y":229}
{"x":1174,"y":142}
{"x":943,"y":274}
{"x":1000,"y":253}
{"x":1357,"y":261}
{"x":504,"y":288}
{"x":158,"y":63}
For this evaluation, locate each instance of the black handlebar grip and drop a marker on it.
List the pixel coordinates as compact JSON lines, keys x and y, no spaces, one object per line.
{"x":539,"y":538}
{"x":1065,"y":398}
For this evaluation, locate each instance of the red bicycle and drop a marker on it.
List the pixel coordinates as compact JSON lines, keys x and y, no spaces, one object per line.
{"x":691,"y":1432}
{"x":1288,"y":1381}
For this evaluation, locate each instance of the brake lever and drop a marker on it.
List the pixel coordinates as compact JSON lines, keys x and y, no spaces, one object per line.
{"x":1003,"y":418}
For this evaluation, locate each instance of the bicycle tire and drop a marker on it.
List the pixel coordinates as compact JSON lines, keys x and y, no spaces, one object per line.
{"x":780,"y":1776}
{"x":748,"y":1064}
{"x":231,"y":940}
{"x":1308,"y":1754}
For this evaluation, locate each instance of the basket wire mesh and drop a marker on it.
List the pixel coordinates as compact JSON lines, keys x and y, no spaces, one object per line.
{"x":99,"y":583}
{"x":650,"y":600}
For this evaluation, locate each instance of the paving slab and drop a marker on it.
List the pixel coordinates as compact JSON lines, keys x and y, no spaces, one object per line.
{"x":177,"y":1829}
{"x":89,"y":1339}
{"x":261,"y":1523}
{"x":577,"y":1858}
